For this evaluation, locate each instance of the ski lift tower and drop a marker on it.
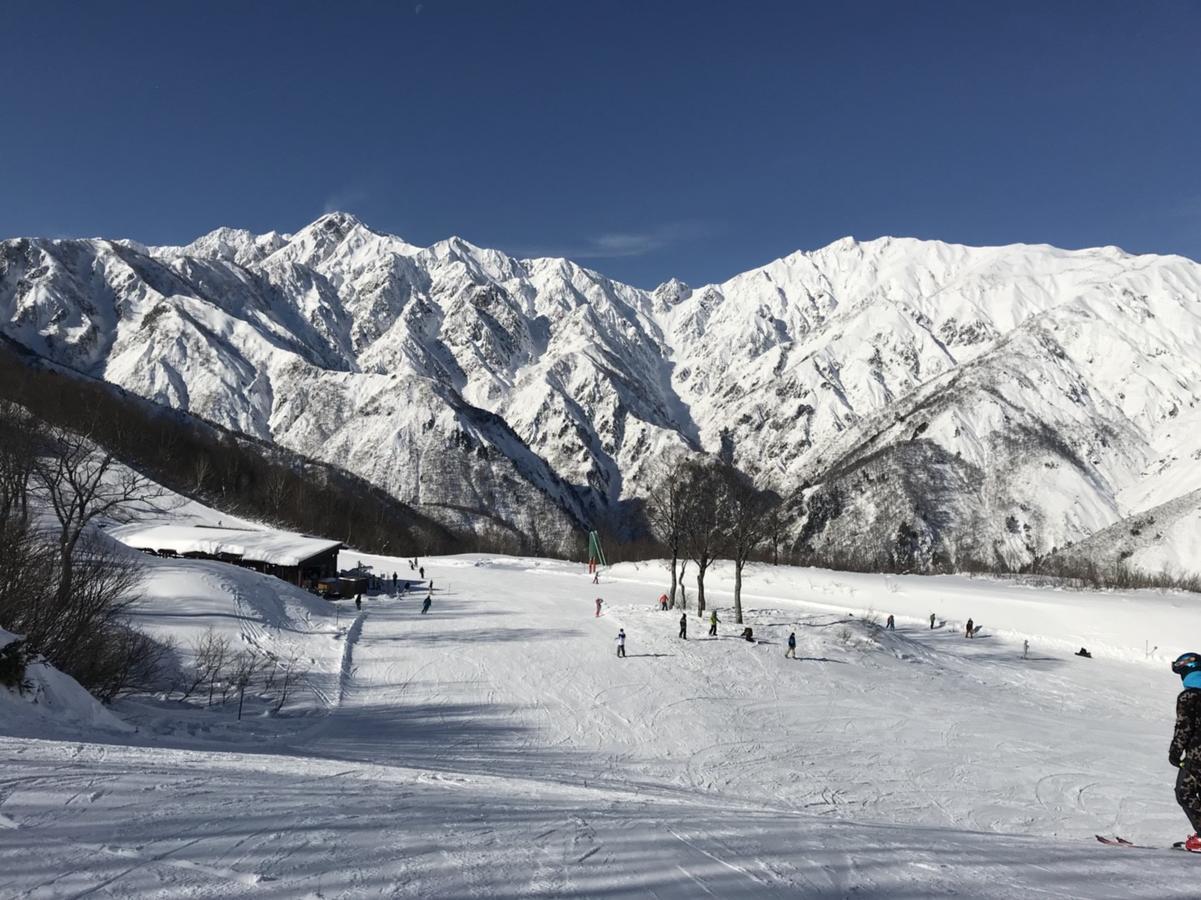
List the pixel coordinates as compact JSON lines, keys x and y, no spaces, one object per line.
{"x":596,"y":556}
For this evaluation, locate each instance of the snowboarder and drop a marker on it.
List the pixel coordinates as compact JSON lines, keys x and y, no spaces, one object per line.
{"x":791,"y":652}
{"x":891,"y":624}
{"x":663,"y":602}
{"x":931,"y":621}
{"x":684,"y":626}
{"x":599,"y":602}
{"x":1185,"y":751}
{"x":970,"y":629}
{"x":358,"y":601}
{"x":713,"y":620}
{"x":425,"y":605}
{"x":621,"y":643}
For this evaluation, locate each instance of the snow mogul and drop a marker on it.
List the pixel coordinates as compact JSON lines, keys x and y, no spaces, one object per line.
{"x":1185,"y":752}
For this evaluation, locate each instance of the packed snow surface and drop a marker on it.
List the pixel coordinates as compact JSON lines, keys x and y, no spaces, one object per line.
{"x":496,"y":747}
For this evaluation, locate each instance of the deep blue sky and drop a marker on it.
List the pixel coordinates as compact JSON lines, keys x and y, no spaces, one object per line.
{"x":647,"y":139}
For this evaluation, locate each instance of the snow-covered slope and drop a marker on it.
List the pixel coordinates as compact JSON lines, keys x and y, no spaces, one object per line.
{"x":496,"y":747}
{"x":930,"y":401}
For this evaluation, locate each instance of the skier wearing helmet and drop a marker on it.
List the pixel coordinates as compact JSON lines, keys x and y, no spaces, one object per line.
{"x":1185,"y":752}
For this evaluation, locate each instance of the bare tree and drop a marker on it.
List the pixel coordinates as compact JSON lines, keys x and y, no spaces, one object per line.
{"x":749,"y":521}
{"x":665,"y":512}
{"x":17,"y":455}
{"x":246,"y":665}
{"x":82,"y":483}
{"x":703,"y":520}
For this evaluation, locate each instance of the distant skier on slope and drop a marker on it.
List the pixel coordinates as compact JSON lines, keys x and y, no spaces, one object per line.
{"x":790,"y":653}
{"x":422,"y":572}
{"x":713,"y":620}
{"x":621,"y":643}
{"x":599,"y":603}
{"x":891,"y":624}
{"x":663,"y":602}
{"x":425,"y":605}
{"x":684,"y":626}
{"x":970,"y":629}
{"x":1185,"y":751}
{"x":931,"y":621}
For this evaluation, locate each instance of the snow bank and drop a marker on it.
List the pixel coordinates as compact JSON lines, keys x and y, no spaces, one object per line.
{"x":54,"y":704}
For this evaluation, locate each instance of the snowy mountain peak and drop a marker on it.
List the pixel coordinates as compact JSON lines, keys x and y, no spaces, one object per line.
{"x":996,"y":402}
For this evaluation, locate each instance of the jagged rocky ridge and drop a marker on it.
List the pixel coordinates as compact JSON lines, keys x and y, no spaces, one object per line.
{"x":919,"y":401}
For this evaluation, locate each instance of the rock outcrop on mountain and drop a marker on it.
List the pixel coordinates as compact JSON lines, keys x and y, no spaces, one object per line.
{"x":921,"y":402}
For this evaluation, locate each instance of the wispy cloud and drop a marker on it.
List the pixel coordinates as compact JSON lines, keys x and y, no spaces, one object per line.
{"x":345,"y":199}
{"x":619,"y":244}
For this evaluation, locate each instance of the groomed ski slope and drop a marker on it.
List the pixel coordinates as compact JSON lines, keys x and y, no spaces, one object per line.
{"x":497,"y":748}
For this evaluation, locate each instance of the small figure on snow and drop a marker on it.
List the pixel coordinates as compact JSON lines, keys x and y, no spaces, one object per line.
{"x":1026,"y":649}
{"x":358,"y":601}
{"x":931,"y":621}
{"x":713,"y":620}
{"x":394,"y":582}
{"x":599,"y":603}
{"x":684,"y":626}
{"x":425,"y":605}
{"x":1084,"y":652}
{"x":971,"y":631}
{"x":663,"y":602}
{"x":1185,"y":751}
{"x":891,"y":623}
{"x":748,"y":634}
{"x":596,"y":576}
{"x":621,"y":643}
{"x":790,"y":653}
{"x":421,"y":572}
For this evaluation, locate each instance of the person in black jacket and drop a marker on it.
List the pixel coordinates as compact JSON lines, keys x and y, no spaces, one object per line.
{"x":1185,"y":751}
{"x":684,"y":626}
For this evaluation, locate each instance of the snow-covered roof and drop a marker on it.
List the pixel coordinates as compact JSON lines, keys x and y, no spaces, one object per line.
{"x":279,"y":548}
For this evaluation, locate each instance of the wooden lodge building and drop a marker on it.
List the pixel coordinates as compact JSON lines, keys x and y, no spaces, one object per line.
{"x":296,"y":558}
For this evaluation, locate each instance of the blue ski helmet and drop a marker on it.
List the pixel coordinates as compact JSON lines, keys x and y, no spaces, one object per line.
{"x":1187,"y":663}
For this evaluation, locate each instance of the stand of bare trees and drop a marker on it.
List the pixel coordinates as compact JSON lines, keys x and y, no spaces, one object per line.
{"x":65,"y":588}
{"x":219,"y":673}
{"x":701,"y":511}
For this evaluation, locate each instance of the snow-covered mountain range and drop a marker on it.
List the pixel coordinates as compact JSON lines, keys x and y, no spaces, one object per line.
{"x":918,"y":400}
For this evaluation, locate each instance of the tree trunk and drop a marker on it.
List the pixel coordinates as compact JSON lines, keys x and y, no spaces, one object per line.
{"x":738,"y":564}
{"x":673,"y":580}
{"x":700,"y":589}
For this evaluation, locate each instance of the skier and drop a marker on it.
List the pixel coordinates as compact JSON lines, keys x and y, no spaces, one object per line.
{"x":1026,"y":649}
{"x":684,"y":626}
{"x":621,"y":643}
{"x":421,"y":571}
{"x":358,"y":601}
{"x":596,"y":577}
{"x":713,"y":620}
{"x":393,"y":582}
{"x":970,"y":630}
{"x":1185,"y":751}
{"x":891,"y":624}
{"x":663,"y":602}
{"x":931,"y":621}
{"x":791,"y":652}
{"x":425,"y":606}
{"x":599,"y":601}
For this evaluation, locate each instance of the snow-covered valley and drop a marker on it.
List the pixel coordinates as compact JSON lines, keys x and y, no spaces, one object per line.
{"x":497,"y":747}
{"x":987,"y":405}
